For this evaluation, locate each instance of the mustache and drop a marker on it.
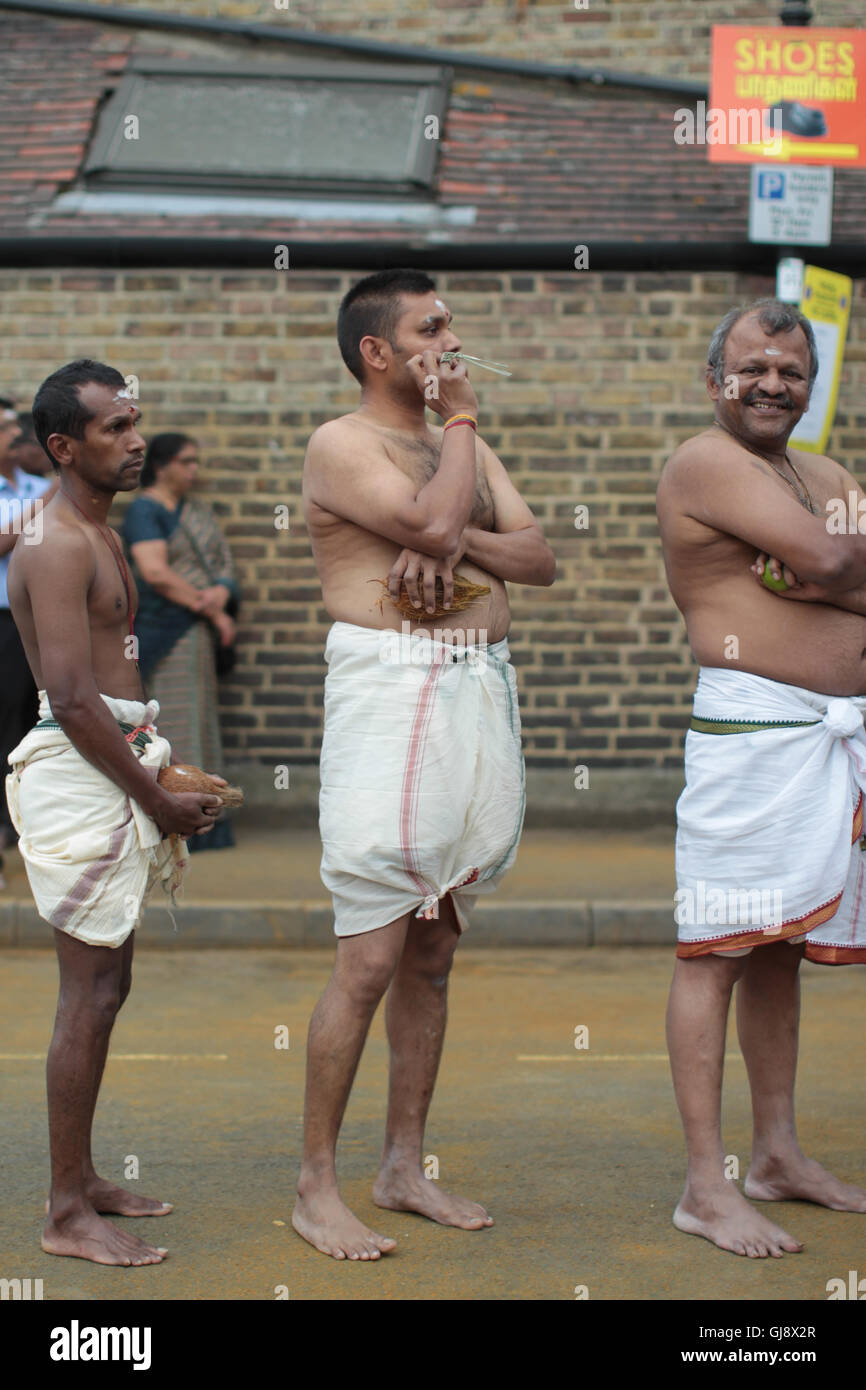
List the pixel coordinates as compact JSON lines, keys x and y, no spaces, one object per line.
{"x":786,"y":404}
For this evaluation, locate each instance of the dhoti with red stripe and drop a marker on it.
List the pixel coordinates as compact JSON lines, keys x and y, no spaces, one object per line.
{"x":92,"y":854}
{"x":422,"y":777}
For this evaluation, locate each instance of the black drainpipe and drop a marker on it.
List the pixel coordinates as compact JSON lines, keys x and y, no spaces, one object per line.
{"x":368,"y":48}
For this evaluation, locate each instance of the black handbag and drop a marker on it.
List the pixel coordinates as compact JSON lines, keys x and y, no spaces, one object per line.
{"x":226,"y":657}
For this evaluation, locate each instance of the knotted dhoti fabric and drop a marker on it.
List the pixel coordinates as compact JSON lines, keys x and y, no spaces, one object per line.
{"x":422,"y":777}
{"x":92,"y":854}
{"x":769,"y":825}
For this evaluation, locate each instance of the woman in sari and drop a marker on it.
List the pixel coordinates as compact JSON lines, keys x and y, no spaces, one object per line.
{"x":188,"y":599}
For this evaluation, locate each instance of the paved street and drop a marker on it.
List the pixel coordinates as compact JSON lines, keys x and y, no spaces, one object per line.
{"x":577,"y":1154}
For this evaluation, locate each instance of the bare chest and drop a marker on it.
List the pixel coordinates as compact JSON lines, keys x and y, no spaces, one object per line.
{"x":112,"y":597}
{"x":419,"y":460}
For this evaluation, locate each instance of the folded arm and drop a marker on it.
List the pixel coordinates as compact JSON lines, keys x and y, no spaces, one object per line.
{"x":347,"y":473}
{"x":853,"y":600}
{"x":516,"y":550}
{"x":831,"y":592}
{"x":719,"y":484}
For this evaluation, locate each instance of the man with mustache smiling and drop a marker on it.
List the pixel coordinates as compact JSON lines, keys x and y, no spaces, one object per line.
{"x":775,"y":763}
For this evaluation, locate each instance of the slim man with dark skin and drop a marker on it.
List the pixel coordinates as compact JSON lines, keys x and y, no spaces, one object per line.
{"x":732,"y":491}
{"x":70,"y":604}
{"x":387,"y":493}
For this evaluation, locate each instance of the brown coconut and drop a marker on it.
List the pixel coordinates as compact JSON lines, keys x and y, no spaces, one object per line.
{"x":183,"y":777}
{"x":465,"y":593}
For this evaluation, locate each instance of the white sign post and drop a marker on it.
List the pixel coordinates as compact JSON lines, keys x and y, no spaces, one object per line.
{"x":791,"y":204}
{"x":789,"y":279}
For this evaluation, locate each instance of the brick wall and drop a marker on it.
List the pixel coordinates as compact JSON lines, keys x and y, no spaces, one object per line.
{"x":666,"y":38}
{"x":608,"y":380}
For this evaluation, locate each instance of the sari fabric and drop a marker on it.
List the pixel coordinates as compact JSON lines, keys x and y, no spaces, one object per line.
{"x":177,"y":649}
{"x":195,"y":550}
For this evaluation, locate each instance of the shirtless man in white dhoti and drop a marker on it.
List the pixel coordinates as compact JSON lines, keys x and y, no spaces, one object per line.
{"x":772,"y":813}
{"x":422,"y":776}
{"x":90,"y":812}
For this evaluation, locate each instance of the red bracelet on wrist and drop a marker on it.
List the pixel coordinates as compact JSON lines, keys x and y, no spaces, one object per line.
{"x":461,"y":419}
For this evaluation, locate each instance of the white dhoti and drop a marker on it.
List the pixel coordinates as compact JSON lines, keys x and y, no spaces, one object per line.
{"x":769,"y":825}
{"x":92,"y":854}
{"x":422,"y":777}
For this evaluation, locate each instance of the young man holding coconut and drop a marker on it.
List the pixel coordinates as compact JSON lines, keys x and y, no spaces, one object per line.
{"x":422,"y":775}
{"x":97,"y":830}
{"x":772,"y":813}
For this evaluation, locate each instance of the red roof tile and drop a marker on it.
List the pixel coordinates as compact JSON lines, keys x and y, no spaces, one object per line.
{"x":537,"y":160}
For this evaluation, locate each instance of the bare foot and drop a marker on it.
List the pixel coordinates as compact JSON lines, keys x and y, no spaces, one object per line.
{"x":88,"y":1237}
{"x":398,"y":1190}
{"x":107,"y":1198}
{"x":326,"y":1222}
{"x":724,"y":1217}
{"x":802,"y":1179}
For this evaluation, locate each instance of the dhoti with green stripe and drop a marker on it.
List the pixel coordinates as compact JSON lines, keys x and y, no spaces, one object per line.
{"x":92,"y":854}
{"x":770,"y":822}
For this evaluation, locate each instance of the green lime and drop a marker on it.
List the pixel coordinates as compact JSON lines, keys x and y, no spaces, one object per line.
{"x":777,"y":585}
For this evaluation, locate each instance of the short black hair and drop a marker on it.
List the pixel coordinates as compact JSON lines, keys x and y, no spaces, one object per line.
{"x":160,"y":451}
{"x":57,"y":406}
{"x":373,"y":307}
{"x":6,"y":403}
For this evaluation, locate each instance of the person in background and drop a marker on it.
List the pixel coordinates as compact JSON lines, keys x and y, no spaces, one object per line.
{"x":188,"y":599}
{"x":27,"y":452}
{"x":18,"y":700}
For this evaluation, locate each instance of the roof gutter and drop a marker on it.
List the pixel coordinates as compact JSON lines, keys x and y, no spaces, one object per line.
{"x":368,"y":48}
{"x":108,"y":252}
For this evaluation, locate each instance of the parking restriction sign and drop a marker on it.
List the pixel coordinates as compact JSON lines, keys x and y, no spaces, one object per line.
{"x":791,"y":205}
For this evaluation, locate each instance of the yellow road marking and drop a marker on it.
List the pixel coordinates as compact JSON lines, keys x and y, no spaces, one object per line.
{"x":608,"y":1056}
{"x":127,"y":1057}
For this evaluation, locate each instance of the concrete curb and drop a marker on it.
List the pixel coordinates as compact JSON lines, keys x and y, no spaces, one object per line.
{"x":614,"y":799}
{"x":310,"y":923}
